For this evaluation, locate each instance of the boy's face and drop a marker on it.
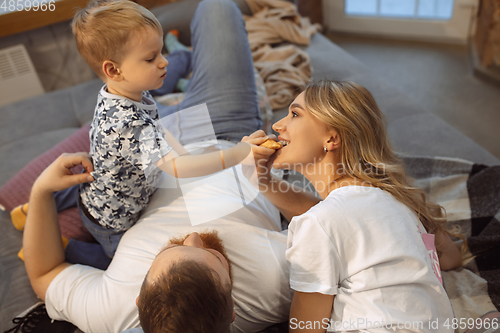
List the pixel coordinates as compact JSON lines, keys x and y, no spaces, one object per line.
{"x":143,"y":67}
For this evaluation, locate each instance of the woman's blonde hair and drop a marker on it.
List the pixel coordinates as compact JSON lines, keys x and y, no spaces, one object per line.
{"x":103,"y":28}
{"x":365,"y":152}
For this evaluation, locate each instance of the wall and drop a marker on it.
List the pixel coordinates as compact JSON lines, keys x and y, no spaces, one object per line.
{"x":53,"y":51}
{"x":457,"y":30}
{"x":488,"y":33}
{"x":52,"y":48}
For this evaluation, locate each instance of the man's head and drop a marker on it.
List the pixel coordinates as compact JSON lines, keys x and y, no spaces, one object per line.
{"x":188,"y":287}
{"x":104,"y":28}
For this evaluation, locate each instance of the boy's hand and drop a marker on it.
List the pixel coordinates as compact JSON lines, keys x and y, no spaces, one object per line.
{"x":58,"y":176}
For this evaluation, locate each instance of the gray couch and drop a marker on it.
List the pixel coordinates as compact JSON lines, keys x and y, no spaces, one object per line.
{"x":30,"y":127}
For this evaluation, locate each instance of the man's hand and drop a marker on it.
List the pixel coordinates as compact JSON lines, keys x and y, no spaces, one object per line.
{"x":42,"y":243}
{"x":58,"y":175}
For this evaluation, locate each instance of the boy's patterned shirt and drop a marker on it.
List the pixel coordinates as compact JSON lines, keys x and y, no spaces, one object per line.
{"x":126,"y":139}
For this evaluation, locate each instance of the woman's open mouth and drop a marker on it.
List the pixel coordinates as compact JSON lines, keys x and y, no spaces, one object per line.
{"x":284,"y":143}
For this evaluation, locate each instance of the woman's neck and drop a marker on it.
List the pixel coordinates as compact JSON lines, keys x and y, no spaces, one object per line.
{"x":328,"y":176}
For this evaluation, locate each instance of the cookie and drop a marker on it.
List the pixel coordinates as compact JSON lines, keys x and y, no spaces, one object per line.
{"x":271,"y":144}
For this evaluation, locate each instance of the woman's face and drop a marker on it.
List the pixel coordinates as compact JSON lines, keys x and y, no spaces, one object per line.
{"x":306,"y":136}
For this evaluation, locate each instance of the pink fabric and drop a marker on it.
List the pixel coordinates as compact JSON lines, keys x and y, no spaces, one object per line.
{"x":17,"y":190}
{"x":431,"y":251}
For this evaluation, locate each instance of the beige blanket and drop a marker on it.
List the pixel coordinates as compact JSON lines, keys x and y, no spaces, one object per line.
{"x":285,"y":70}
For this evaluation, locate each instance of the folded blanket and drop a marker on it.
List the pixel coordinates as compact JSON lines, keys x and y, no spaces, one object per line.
{"x":285,"y":70}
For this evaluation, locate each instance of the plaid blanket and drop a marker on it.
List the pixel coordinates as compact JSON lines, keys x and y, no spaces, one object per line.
{"x":470,"y":194}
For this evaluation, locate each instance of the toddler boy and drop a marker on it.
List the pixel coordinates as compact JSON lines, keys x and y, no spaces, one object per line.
{"x":122,"y":42}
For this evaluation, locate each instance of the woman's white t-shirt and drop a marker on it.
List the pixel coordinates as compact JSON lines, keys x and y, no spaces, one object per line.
{"x":363,"y":246}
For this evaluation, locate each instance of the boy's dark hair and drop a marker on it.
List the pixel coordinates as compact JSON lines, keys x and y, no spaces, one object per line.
{"x":187,"y":298}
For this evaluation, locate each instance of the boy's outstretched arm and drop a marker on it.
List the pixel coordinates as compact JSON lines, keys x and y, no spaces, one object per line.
{"x":180,"y":164}
{"x":42,"y":243}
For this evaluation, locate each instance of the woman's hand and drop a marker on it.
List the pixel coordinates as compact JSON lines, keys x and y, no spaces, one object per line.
{"x":449,"y":253}
{"x":58,"y":176}
{"x":289,"y":199}
{"x":262,"y":157}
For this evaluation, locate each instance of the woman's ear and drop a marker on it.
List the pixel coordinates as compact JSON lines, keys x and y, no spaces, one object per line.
{"x":334,"y":141}
{"x":111,"y":71}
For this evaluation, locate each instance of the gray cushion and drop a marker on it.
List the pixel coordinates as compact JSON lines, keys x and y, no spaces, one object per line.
{"x":16,"y":154}
{"x":84,"y":99}
{"x":37,"y":115}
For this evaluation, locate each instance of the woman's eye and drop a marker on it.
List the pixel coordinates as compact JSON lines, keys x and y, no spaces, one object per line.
{"x":294,"y":114}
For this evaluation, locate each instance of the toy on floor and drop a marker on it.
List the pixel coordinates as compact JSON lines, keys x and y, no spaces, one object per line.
{"x":19,"y":216}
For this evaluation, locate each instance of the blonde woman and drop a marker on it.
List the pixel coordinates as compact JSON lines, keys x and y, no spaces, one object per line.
{"x":363,"y":258}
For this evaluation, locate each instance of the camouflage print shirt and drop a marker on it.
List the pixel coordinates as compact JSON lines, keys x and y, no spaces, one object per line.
{"x":126,"y":138}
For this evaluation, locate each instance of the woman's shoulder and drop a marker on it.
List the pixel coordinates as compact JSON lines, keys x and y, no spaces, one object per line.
{"x":351,"y":199}
{"x":353,"y":207}
{"x":359,"y":199}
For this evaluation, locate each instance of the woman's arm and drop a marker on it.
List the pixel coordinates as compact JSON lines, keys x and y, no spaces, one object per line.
{"x":289,"y":199}
{"x":448,"y":253}
{"x":313,"y":309}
